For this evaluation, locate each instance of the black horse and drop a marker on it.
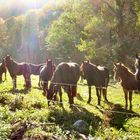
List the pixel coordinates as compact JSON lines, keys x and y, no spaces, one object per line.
{"x":46,"y":73}
{"x":2,"y":69}
{"x":66,"y":75}
{"x":137,"y":67}
{"x":97,"y":76}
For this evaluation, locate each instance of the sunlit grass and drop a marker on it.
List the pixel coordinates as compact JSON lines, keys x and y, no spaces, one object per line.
{"x":32,"y":108}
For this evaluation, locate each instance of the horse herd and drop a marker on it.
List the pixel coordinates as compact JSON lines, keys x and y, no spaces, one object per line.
{"x":66,"y":75}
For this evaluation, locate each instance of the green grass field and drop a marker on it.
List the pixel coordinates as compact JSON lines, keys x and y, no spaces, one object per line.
{"x":26,"y":115}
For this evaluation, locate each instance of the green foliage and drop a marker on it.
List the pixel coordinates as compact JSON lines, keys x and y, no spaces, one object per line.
{"x":4,"y":131}
{"x":74,"y":30}
{"x":65,"y":33}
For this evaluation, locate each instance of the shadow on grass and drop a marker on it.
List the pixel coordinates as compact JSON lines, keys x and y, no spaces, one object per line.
{"x":39,"y":88}
{"x":116,"y":116}
{"x":65,"y":119}
{"x":20,"y":91}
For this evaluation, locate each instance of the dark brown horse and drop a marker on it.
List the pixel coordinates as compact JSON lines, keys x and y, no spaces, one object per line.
{"x":16,"y":69}
{"x":97,"y":76}
{"x":46,"y":73}
{"x":66,"y":75}
{"x":137,"y":67}
{"x":128,"y":81}
{"x":35,"y":69}
{"x":2,"y":69}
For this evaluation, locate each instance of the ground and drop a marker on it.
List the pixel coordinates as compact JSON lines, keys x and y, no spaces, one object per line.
{"x":26,"y":115}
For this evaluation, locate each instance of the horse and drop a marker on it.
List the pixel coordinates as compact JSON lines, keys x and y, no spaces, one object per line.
{"x":66,"y":75}
{"x":128,"y":81}
{"x":137,"y":67}
{"x":97,"y":76}
{"x":46,"y":73}
{"x":2,"y":69}
{"x":35,"y":69}
{"x":16,"y":69}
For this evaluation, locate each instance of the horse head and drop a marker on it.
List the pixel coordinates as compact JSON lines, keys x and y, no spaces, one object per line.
{"x":117,"y":71}
{"x":3,"y":62}
{"x":83,"y":69}
{"x":50,"y":68}
{"x":8,"y":60}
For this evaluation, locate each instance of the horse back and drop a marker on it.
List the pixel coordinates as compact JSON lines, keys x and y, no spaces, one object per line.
{"x":21,"y":68}
{"x":68,"y":73}
{"x":97,"y":75}
{"x":35,"y":69}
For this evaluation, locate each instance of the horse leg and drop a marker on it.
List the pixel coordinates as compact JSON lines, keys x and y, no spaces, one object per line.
{"x":27,"y":79}
{"x":14,"y":83}
{"x":45,"y":88}
{"x":39,"y":82}
{"x":74,"y":90}
{"x":105,"y":94}
{"x":126,"y":96}
{"x":130,"y":99}
{"x":70,"y":96}
{"x":89,"y":99}
{"x":100,"y":90}
{"x":5,"y":76}
{"x":98,"y":95}
{"x":60,"y":94}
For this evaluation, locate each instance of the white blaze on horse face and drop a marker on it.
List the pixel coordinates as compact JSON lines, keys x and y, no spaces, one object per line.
{"x":136,"y":62}
{"x":115,"y":73}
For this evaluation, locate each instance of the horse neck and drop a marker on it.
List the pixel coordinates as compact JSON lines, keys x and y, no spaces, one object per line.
{"x":137,"y":74}
{"x":11,"y":65}
{"x":125,"y":75}
{"x":90,"y":68}
{"x":50,"y":69}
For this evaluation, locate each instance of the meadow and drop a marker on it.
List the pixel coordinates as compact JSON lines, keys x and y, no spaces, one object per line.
{"x":26,"y":115}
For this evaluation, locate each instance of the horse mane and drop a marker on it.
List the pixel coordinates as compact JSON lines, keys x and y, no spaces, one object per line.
{"x":127,"y":69}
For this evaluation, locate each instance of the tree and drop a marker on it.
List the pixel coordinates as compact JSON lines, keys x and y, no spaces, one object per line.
{"x":65,"y":33}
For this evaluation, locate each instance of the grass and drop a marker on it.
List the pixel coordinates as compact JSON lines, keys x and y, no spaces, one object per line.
{"x":26,"y":115}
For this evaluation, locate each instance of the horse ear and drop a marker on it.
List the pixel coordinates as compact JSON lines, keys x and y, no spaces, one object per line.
{"x":82,"y":62}
{"x":115,"y":64}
